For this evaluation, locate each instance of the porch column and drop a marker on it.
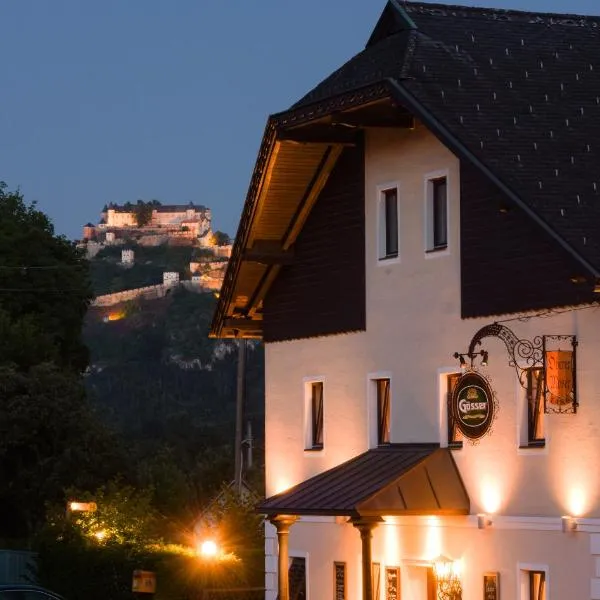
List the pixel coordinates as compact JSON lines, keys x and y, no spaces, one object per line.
{"x":366,"y":525}
{"x":282,"y":524}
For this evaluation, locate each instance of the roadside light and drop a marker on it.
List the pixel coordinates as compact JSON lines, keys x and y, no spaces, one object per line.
{"x":208,"y":549}
{"x":100,"y":535}
{"x":82,"y":506}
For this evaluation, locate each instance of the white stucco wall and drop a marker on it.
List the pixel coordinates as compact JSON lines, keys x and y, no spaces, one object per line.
{"x":413,"y":328}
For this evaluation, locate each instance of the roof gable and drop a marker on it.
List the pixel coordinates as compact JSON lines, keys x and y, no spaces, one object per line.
{"x":515,"y":94}
{"x":522,"y":92}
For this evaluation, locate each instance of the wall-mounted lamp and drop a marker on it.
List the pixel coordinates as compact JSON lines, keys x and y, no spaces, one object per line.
{"x":483,"y":521}
{"x":447,"y":578}
{"x":569,"y":524}
{"x":462,"y":358}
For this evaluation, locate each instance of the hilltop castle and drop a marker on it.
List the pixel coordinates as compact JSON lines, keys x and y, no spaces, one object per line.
{"x":192,"y":221}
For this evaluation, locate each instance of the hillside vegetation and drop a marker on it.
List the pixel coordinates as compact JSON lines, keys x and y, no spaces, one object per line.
{"x":164,"y":386}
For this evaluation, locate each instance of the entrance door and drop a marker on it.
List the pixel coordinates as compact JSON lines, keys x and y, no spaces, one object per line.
{"x":418,"y":583}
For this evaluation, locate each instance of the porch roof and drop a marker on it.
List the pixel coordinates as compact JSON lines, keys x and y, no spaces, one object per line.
{"x":399,"y":479}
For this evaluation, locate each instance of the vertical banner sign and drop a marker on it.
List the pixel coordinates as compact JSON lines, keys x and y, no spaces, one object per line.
{"x":559,"y":377}
{"x":491,"y":586}
{"x":392,"y":583}
{"x":339,"y":581}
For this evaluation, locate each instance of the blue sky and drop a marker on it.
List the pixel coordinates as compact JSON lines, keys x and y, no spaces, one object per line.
{"x":125,"y":99}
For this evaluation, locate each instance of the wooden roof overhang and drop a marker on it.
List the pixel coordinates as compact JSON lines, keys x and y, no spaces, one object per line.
{"x":298,"y":153}
{"x":401,"y":479}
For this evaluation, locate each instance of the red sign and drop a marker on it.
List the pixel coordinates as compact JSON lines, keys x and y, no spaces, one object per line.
{"x":559,"y":377}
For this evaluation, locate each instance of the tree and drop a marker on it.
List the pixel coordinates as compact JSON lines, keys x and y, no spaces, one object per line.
{"x":49,"y":437}
{"x":49,"y":440}
{"x":143,"y":213}
{"x":221,"y":238}
{"x":44,"y":283}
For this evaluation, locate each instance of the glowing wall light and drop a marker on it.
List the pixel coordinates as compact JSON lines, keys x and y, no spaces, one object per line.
{"x":433,"y":538}
{"x":490,"y":495}
{"x":391,"y":541}
{"x":576,"y":501}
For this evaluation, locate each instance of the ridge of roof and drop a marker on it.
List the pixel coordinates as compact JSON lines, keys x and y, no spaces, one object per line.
{"x":501,"y":14}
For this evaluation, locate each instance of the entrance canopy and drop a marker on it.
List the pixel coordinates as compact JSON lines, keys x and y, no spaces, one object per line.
{"x":399,"y":479}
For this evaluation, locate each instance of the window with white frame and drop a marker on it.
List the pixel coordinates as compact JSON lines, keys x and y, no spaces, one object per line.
{"x":537,"y":585}
{"x":383,"y":389}
{"x":314,"y":415}
{"x":379,"y":406}
{"x":436,"y":214}
{"x":389,"y":238}
{"x":455,"y":437}
{"x":534,"y":582}
{"x":535,"y":407}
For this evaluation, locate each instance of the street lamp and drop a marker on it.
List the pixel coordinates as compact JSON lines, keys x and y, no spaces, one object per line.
{"x":208,"y":549}
{"x":447,"y":579}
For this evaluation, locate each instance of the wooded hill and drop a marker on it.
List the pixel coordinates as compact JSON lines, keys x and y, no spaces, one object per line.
{"x":165,"y":387}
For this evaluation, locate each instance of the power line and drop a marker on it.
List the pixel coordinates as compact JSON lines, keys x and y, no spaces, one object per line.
{"x":40,"y":267}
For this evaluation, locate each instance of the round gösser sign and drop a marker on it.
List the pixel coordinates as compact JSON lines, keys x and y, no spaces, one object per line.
{"x":473,"y":405}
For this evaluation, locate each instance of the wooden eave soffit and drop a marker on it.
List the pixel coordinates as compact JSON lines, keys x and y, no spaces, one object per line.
{"x":268,"y":252}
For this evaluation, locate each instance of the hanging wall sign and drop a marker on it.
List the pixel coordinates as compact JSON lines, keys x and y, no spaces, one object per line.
{"x":559,"y":377}
{"x":473,"y":405}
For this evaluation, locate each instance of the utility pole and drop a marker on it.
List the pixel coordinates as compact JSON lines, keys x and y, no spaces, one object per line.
{"x":239,"y":412}
{"x":249,"y":445}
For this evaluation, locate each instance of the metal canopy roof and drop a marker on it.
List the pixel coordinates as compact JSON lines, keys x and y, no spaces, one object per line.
{"x":400,"y":479}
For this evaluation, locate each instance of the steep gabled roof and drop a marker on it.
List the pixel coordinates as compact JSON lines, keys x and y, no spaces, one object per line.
{"x":520,"y":91}
{"x":517,"y":94}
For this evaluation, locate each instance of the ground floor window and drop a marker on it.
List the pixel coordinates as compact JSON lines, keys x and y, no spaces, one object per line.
{"x":534,"y":582}
{"x":537,"y":585}
{"x":297,"y":578}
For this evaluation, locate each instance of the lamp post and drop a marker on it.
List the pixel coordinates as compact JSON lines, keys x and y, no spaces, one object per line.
{"x":447,"y":579}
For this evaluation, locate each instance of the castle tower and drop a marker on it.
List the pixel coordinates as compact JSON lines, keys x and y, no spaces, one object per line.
{"x":127,"y":257}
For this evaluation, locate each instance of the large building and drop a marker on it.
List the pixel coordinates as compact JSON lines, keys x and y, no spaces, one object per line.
{"x":423,"y":264}
{"x":193,"y":216}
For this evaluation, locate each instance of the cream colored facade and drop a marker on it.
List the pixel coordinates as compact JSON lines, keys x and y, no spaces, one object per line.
{"x":413,"y":328}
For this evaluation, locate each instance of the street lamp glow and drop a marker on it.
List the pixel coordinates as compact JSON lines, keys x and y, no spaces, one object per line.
{"x":208,"y":548}
{"x":100,"y":535}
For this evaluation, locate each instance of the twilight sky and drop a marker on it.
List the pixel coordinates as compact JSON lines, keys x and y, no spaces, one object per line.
{"x":125,"y":99}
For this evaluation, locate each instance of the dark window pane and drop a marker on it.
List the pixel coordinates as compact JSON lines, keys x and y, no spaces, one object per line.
{"x":391,"y":222}
{"x":317,"y":414}
{"x":383,"y":411}
{"x":535,"y":406}
{"x":454,"y":434}
{"x":297,"y":578}
{"x":440,"y":213}
{"x":537,"y":585}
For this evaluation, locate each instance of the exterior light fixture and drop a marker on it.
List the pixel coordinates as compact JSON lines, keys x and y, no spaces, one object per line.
{"x":461,"y":358}
{"x":483,"y":521}
{"x":471,"y":356}
{"x":447,"y":579}
{"x":569,"y":524}
{"x":82,"y":507}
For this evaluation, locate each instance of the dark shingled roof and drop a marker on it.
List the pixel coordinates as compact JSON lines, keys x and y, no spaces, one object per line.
{"x":395,"y":479}
{"x":519,"y":91}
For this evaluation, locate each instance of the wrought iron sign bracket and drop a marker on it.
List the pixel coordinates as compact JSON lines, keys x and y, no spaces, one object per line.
{"x":525,"y":355}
